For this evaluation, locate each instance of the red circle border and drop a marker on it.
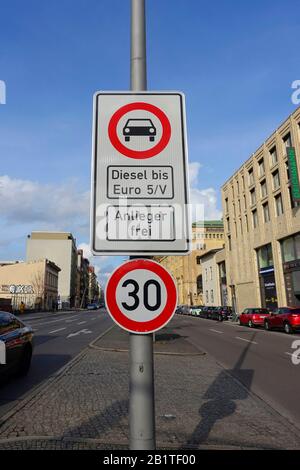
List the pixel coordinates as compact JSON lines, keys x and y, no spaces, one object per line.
{"x":138,"y":154}
{"x":132,"y":325}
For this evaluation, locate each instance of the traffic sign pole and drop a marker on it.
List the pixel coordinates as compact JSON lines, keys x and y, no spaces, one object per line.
{"x":141,"y":400}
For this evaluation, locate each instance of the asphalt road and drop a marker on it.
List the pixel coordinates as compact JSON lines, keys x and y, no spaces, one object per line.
{"x":58,"y":338}
{"x":261,"y":360}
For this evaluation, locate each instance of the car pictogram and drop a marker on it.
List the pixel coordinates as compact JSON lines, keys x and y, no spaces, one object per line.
{"x":139,"y":127}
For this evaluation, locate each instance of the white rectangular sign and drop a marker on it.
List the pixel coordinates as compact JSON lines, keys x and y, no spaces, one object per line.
{"x":140,"y":190}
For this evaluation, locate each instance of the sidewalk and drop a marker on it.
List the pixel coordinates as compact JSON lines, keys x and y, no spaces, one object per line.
{"x":198,"y":404}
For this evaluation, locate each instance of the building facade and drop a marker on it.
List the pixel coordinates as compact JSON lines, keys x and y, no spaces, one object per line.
{"x":210,"y":279}
{"x":34,"y":283}
{"x":82,"y":288}
{"x":187,"y":270}
{"x":59,"y":247}
{"x":262,"y":223}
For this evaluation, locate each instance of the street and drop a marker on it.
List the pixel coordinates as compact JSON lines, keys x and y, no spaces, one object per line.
{"x":85,"y":405}
{"x":261,"y":360}
{"x":56,"y":341}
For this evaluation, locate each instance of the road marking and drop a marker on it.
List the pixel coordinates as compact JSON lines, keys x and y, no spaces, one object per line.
{"x":81,"y":322}
{"x":290,"y":354}
{"x":55,"y":331}
{"x":216,"y":331}
{"x":70,"y":321}
{"x":248,"y":340}
{"x":85,"y":332}
{"x":52,"y":321}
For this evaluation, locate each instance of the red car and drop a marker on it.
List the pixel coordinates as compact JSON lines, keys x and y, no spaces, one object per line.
{"x":284,"y":318}
{"x":253,"y":316}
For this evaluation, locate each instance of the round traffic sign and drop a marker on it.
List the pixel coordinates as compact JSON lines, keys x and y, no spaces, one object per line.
{"x":141,"y":296}
{"x":139,"y":154}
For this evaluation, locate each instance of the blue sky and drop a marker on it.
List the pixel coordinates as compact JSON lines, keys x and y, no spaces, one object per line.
{"x":234,"y":60}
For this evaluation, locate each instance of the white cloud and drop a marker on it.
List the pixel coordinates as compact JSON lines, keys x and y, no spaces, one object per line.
{"x":203,"y":201}
{"x":194,"y":168}
{"x":25,"y":201}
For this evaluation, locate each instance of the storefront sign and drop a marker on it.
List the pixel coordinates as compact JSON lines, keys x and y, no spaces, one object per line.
{"x":294,"y":177}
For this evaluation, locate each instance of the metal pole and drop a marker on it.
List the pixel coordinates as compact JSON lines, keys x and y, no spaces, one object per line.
{"x":141,"y":388}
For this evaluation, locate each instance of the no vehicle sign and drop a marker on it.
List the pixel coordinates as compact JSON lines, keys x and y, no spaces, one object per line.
{"x":139,"y":183}
{"x":141,"y":296}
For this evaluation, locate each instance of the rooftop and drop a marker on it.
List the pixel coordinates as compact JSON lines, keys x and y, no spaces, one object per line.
{"x":208,"y":223}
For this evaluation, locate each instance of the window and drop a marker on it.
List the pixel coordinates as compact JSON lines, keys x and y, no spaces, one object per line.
{"x":287,"y":140}
{"x":243,"y":182}
{"x":246,"y":221}
{"x":229,"y":243}
{"x":212,"y":296}
{"x":199,"y":284}
{"x":198,"y":260}
{"x":252,"y":196}
{"x":290,"y":248}
{"x":237,"y":187}
{"x":8,"y":323}
{"x":251,"y":177}
{"x":279,"y":205}
{"x":263,"y":188}
{"x":206,"y":295}
{"x":254,"y":218}
{"x":265,"y":256}
{"x":276,"y":180}
{"x":239,"y":202}
{"x":261,"y":167}
{"x":228,"y":224}
{"x":211,"y":274}
{"x":226,"y":204}
{"x":241,"y":226}
{"x":206,"y":274}
{"x":292,"y":201}
{"x":273,"y":156}
{"x":266,"y":212}
{"x":245,"y":202}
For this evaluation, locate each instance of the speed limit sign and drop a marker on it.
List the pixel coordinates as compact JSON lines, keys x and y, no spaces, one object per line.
{"x":141,"y":296}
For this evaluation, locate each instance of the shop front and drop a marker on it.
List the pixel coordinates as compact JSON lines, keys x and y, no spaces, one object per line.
{"x":290,"y":249}
{"x":267,"y":281}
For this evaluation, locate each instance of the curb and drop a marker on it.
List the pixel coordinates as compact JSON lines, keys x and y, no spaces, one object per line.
{"x":156,"y":353}
{"x":124,"y":443}
{"x":40,"y":388}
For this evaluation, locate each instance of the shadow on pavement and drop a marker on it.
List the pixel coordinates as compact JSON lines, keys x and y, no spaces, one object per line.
{"x":222,"y":394}
{"x":102,"y":423}
{"x":42,"y":367}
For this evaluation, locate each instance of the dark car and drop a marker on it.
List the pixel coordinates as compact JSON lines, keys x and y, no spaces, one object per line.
{"x":183,"y":310}
{"x":92,"y":306}
{"x":139,"y":127}
{"x":284,"y":318}
{"x":254,"y":316}
{"x":221,"y":313}
{"x":16,"y":345}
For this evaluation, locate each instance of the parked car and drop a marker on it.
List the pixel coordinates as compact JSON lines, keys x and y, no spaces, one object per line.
{"x":183,"y":310}
{"x":204,"y":312}
{"x":212,"y":312}
{"x":195,"y":310}
{"x":284,"y":318}
{"x":253,"y":316}
{"x":18,"y":340}
{"x":221,"y":313}
{"x":92,"y":306}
